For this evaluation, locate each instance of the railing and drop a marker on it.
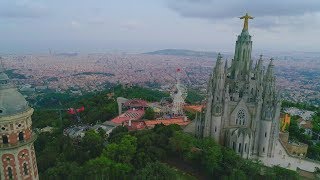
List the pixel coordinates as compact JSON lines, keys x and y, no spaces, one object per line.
{"x":19,"y":143}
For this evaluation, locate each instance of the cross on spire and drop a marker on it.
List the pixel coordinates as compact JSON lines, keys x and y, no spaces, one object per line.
{"x":246,"y":21}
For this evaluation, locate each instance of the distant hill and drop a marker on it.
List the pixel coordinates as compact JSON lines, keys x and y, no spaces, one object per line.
{"x":184,"y":52}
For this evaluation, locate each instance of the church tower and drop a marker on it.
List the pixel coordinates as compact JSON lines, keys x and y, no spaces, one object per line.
{"x":18,"y":159}
{"x":243,"y":107}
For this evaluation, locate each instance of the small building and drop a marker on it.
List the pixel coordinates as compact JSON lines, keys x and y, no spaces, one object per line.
{"x":194,"y":108}
{"x":107,"y":126}
{"x":135,"y":125}
{"x":136,"y":103}
{"x":131,"y":114}
{"x":306,"y":125}
{"x":181,"y":121}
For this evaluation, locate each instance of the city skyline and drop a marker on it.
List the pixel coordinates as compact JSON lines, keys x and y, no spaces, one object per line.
{"x":32,"y":26}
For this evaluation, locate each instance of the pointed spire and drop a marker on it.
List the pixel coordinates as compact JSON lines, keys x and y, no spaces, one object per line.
{"x":260,"y":61}
{"x":219,"y":64}
{"x":226,"y":64}
{"x":270,"y":68}
{"x":219,"y":58}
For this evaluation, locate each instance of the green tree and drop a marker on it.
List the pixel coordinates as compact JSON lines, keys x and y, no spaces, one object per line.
{"x":63,"y":170}
{"x":149,"y":113}
{"x":156,"y":171}
{"x":92,"y":143}
{"x":123,"y":151}
{"x":104,"y":168}
{"x":181,"y":143}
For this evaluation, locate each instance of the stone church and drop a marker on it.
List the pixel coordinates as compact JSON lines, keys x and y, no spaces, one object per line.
{"x":243,"y":106}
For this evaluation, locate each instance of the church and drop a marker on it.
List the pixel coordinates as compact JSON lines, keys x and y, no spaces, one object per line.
{"x":243,"y":106}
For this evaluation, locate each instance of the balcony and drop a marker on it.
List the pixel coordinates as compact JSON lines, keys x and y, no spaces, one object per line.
{"x":19,"y":143}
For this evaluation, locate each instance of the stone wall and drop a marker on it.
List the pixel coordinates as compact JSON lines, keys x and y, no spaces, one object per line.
{"x":299,"y":149}
{"x":284,"y":137}
{"x":293,"y":148}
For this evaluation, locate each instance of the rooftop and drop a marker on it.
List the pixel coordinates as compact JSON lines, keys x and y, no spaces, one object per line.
{"x":131,"y":114}
{"x":181,"y":121}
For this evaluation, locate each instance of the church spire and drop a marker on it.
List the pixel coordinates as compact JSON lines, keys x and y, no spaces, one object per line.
{"x":246,"y":18}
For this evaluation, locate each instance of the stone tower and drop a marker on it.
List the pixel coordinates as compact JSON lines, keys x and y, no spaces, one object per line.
{"x":18,"y":159}
{"x":243,"y":107}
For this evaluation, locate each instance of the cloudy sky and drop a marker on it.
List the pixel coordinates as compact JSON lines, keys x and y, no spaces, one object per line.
{"x":32,"y":26}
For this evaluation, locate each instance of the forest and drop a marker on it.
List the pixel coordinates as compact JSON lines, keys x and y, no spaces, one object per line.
{"x":164,"y":152}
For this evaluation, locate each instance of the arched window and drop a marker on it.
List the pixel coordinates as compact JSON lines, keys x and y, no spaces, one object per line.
{"x":21,"y":138}
{"x":10,"y":173}
{"x":25,"y":168}
{"x":239,"y":149}
{"x":241,"y":117}
{"x":5,"y":139}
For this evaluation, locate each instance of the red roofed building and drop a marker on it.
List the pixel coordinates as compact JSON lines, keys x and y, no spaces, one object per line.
{"x":181,"y":121}
{"x":136,"y":103}
{"x":194,"y":108}
{"x":131,"y":114}
{"x":135,"y":125}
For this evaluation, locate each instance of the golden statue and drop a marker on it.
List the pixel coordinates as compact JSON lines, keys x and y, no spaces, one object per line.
{"x":246,"y":20}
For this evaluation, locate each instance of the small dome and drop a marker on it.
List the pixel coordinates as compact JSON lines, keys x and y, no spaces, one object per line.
{"x":11,"y":102}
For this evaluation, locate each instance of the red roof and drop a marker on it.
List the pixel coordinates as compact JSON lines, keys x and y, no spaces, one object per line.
{"x":196,"y":108}
{"x":135,"y":125}
{"x":131,"y":114}
{"x":136,"y":103}
{"x":178,"y":120}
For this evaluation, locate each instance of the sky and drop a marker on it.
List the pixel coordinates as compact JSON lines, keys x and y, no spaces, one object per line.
{"x":89,"y":26}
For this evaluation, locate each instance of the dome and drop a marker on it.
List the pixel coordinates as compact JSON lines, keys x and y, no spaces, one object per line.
{"x":11,"y":102}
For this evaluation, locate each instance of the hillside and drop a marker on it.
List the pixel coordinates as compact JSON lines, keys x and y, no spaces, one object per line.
{"x":184,"y":52}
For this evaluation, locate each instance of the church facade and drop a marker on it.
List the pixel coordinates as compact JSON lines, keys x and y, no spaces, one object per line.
{"x":243,"y":106}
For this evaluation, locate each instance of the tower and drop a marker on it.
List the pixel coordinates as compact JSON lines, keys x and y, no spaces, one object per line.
{"x":243,"y":107}
{"x":18,"y":159}
{"x":178,"y":96}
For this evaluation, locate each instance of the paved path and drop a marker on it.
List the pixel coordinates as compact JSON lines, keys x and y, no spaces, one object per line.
{"x":282,"y":159}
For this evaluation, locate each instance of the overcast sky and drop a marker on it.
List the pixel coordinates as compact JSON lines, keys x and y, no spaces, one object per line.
{"x":32,"y":26}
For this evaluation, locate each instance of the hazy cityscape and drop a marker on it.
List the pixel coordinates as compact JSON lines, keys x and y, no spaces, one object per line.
{"x":298,"y":74}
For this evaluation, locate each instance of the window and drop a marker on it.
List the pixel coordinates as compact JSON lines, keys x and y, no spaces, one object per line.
{"x":25,"y":169}
{"x":10,"y":173}
{"x":263,"y":149}
{"x":5,"y":139}
{"x":265,"y":134}
{"x":234,"y":146}
{"x":21,"y":138}
{"x":245,"y":147}
{"x":241,"y":117}
{"x":239,"y":149}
